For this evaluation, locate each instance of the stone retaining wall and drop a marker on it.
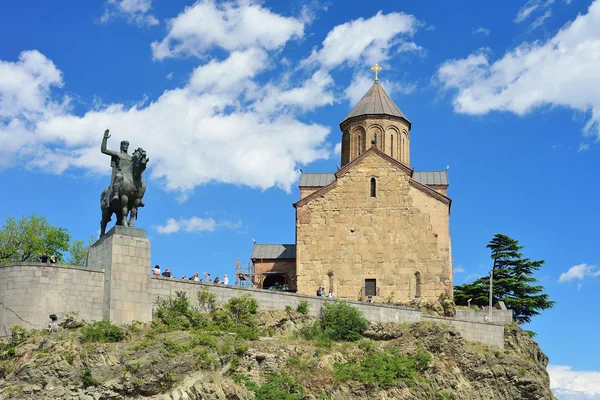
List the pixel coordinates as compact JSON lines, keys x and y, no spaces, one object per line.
{"x":499,"y":316}
{"x":29,"y":292}
{"x":273,"y":300}
{"x":487,"y":333}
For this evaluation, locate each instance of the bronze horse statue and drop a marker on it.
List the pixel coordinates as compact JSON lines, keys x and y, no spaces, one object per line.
{"x":129,"y":196}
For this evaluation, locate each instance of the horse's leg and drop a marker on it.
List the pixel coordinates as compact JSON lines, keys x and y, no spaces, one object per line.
{"x":134,"y":212}
{"x":124,"y":210}
{"x":132,"y":215}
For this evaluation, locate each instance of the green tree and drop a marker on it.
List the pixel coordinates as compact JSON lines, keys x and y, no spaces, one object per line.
{"x":78,"y":251}
{"x":23,"y":240}
{"x":513,"y":282}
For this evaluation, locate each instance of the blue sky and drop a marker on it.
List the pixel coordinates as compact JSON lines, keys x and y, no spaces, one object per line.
{"x":230,"y":99}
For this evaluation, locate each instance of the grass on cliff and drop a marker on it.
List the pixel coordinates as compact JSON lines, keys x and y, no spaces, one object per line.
{"x":383,"y":368}
{"x":238,"y":315}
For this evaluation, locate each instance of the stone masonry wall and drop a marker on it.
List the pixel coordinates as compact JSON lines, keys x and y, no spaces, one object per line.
{"x":33,"y":291}
{"x":499,"y":316}
{"x":274,"y":300}
{"x":29,"y":292}
{"x":487,"y":333}
{"x":124,"y":254}
{"x":347,"y":236}
{"x":491,"y":334}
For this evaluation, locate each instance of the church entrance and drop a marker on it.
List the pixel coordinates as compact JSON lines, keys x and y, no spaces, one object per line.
{"x":274,"y":280}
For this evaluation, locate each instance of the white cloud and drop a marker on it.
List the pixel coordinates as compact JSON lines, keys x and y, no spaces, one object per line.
{"x":539,"y":21}
{"x":569,"y":384}
{"x":231,"y":74}
{"x":583,"y":147}
{"x":202,"y":132}
{"x":529,"y":8}
{"x":369,"y":41}
{"x":195,"y":224}
{"x":459,"y":269}
{"x":134,"y":11}
{"x":562,"y":71}
{"x":170,"y":75}
{"x":25,"y":85}
{"x":313,"y":92}
{"x":579,"y":272}
{"x":481,"y":31}
{"x":337,"y":150}
{"x":233,"y":25}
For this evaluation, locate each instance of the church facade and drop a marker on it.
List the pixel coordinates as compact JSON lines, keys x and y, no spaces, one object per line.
{"x":373,"y":229}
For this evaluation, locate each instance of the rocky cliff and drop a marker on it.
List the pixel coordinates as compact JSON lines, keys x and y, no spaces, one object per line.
{"x":419,"y":361}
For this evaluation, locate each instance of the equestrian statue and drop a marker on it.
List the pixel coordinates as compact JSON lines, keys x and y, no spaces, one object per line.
{"x":124,"y":195}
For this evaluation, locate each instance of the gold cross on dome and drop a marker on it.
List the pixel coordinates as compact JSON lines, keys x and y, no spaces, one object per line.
{"x":376,"y":68}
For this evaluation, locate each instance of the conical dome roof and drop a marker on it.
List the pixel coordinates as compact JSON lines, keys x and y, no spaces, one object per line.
{"x":376,"y":102}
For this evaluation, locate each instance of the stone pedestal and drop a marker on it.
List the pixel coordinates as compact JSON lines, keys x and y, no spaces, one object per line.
{"x":124,"y":254}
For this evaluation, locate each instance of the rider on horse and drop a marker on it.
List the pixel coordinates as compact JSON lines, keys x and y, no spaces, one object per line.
{"x":120,"y":161}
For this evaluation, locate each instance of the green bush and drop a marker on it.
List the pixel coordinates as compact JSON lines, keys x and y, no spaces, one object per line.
{"x":102,"y":331}
{"x":383,"y":368}
{"x":340,"y":321}
{"x":303,"y":307}
{"x":207,"y":300}
{"x":243,"y":309}
{"x":176,"y":313}
{"x":18,"y":334}
{"x":278,"y":387}
{"x":87,"y":379}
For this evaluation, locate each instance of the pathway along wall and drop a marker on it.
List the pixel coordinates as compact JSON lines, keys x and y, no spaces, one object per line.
{"x":487,"y":333}
{"x":29,"y":292}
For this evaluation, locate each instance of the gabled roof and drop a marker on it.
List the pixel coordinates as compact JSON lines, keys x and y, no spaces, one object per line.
{"x":413,"y":182}
{"x":316,"y":180}
{"x":376,"y":102}
{"x":274,"y":251}
{"x":436,"y":178}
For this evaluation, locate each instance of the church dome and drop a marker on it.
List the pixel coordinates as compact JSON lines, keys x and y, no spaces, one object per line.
{"x":376,"y":103}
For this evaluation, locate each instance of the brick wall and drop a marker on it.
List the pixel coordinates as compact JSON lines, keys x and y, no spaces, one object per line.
{"x":29,"y":292}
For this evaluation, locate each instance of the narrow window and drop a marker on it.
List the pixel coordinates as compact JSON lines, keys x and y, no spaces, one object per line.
{"x":370,"y":287}
{"x":392,"y":145}
{"x":417,"y":284}
{"x":358,"y":145}
{"x":373,"y":188}
{"x":402,"y":150}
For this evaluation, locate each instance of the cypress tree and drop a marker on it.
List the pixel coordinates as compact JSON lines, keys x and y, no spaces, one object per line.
{"x":513,"y":283}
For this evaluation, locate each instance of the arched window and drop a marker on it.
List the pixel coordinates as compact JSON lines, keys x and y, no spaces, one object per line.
{"x":402,"y":150}
{"x":373,"y":187}
{"x":358,"y":145}
{"x":417,"y":284}
{"x":392,"y":145}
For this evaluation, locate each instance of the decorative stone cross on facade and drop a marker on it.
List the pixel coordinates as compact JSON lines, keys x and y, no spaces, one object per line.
{"x":376,"y":68}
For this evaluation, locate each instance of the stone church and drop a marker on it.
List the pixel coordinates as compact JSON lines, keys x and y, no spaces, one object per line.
{"x":375,"y":229}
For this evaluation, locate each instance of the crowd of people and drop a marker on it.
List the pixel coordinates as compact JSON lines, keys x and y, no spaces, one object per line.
{"x":195,"y":278}
{"x":43,"y":258}
{"x":322,"y":293}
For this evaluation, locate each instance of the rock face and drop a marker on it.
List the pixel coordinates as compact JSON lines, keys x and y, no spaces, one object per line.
{"x":178,"y":365}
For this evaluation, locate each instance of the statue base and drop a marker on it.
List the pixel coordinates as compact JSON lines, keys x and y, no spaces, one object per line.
{"x":124,"y":255}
